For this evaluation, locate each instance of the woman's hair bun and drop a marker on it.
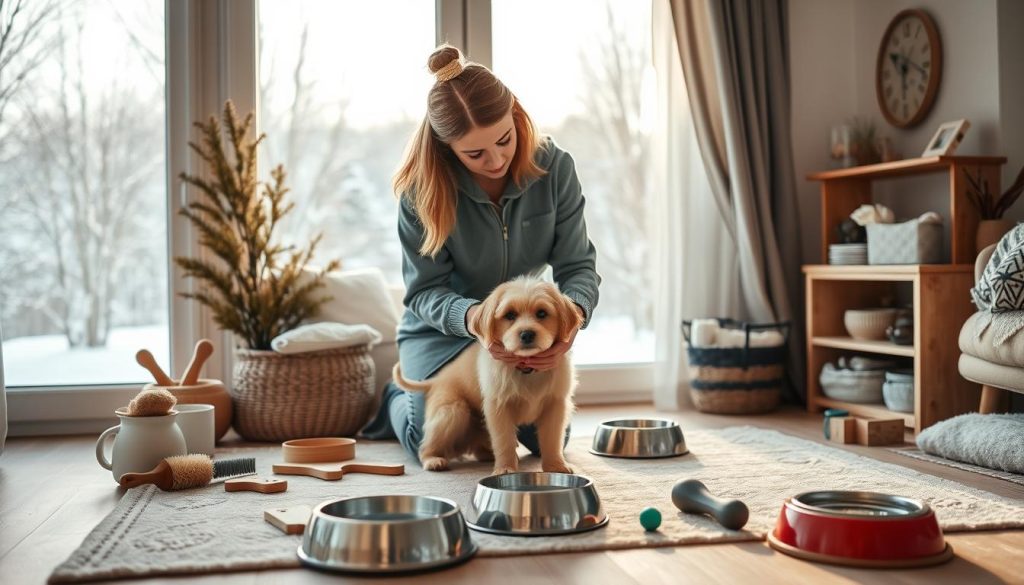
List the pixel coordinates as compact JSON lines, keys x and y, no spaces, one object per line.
{"x":442,"y":56}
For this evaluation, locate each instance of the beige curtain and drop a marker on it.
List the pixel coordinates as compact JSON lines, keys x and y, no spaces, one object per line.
{"x":734,"y":57}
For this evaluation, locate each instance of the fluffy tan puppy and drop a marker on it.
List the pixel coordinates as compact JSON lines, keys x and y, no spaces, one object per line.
{"x":475,"y":404}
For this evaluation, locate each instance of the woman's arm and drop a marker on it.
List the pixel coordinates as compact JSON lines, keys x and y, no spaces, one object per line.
{"x":428,"y":292}
{"x":573,"y":257}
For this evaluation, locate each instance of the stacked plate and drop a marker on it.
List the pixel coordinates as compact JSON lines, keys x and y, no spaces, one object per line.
{"x":848,"y":254}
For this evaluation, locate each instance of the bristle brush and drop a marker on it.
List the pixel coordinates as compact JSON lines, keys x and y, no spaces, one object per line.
{"x":189,"y":471}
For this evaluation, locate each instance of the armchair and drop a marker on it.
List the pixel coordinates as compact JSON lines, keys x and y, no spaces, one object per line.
{"x":997,"y":369}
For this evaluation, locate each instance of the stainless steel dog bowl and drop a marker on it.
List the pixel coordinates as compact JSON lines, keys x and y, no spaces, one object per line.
{"x":536,"y":504}
{"x":386,"y":534}
{"x":639,"y":438}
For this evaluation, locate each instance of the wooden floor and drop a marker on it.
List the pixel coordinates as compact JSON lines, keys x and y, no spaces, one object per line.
{"x":52,"y":493}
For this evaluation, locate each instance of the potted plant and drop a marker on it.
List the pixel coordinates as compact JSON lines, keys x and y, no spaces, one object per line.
{"x":991,"y":208}
{"x":254,"y":288}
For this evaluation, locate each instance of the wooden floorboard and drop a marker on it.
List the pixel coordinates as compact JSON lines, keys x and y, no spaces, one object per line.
{"x":52,"y":494}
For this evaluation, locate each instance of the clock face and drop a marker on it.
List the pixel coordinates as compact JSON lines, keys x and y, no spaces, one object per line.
{"x":909,"y":68}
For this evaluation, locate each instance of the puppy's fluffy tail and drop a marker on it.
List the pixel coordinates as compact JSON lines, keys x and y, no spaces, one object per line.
{"x":407,"y":385}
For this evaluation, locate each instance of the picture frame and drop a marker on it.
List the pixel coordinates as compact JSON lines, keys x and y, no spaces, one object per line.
{"x":946,"y":139}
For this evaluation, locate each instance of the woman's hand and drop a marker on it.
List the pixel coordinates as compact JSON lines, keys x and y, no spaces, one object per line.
{"x":548,"y":358}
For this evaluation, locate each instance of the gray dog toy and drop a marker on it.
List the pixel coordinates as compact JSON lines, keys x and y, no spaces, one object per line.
{"x":693,"y":497}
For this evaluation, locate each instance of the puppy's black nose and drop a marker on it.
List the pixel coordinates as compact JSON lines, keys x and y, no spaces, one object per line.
{"x":527,"y":336}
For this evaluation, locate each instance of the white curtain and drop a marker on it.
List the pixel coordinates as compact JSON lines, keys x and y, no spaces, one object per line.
{"x":3,"y":398}
{"x":697,"y":270}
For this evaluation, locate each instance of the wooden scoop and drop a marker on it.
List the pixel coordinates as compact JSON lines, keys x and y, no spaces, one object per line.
{"x":335,"y":471}
{"x":203,"y":350}
{"x":147,"y":361}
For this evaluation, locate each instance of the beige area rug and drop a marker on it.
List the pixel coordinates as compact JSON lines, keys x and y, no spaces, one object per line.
{"x":1016,"y":478}
{"x":209,"y":530}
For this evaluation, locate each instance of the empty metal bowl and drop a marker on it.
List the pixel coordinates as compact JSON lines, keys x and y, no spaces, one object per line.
{"x":536,"y":504}
{"x":639,"y":438}
{"x":386,"y":534}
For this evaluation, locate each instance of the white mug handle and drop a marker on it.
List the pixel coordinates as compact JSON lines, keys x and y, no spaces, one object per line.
{"x":100,"y":455}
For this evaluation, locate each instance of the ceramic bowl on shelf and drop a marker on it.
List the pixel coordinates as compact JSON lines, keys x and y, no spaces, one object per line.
{"x":898,"y":390}
{"x":861,"y":386}
{"x":868,"y":324}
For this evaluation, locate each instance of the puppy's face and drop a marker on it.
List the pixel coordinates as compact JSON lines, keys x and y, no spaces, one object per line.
{"x":526,"y":316}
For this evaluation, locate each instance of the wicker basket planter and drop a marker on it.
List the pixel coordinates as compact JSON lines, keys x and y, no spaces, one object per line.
{"x":737,"y":380}
{"x":278,"y":397}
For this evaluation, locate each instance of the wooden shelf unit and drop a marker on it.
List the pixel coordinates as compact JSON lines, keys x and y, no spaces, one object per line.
{"x":940,"y":291}
{"x":844,"y":190}
{"x":941,"y":305}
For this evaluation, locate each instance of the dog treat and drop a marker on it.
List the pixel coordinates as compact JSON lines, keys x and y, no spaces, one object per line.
{"x":650,"y":519}
{"x":289,"y":520}
{"x":335,"y":471}
{"x":263,"y":485}
{"x":692,"y":496}
{"x":152,"y":402}
{"x":189,"y":471}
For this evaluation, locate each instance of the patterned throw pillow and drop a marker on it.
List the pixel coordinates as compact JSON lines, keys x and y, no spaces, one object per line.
{"x":1009,"y":251}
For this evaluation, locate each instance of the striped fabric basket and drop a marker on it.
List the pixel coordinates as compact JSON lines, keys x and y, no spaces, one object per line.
{"x":737,"y":380}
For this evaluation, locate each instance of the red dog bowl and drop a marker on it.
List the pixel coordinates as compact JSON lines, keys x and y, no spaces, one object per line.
{"x":863,"y":529}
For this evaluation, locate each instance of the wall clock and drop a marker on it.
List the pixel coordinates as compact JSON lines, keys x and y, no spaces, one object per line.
{"x":909,"y":68}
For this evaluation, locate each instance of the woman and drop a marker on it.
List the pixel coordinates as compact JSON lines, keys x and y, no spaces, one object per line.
{"x":483,"y":199}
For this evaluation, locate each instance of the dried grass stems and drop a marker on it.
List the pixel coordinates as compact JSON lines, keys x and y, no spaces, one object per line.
{"x":988,"y":205}
{"x":252,"y":286}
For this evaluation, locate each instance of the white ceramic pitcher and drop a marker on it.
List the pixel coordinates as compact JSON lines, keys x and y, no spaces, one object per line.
{"x":141,"y":442}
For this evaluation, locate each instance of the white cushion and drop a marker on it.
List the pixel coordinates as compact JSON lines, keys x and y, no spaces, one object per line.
{"x":360,"y":296}
{"x":324,"y":335}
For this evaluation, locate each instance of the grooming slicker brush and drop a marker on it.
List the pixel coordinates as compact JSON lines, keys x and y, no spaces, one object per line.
{"x":860,"y":529}
{"x":189,"y":471}
{"x":386,"y":534}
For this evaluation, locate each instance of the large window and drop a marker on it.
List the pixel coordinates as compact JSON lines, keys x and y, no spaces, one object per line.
{"x":342,"y":87}
{"x":583,"y":71}
{"x":83,"y":257}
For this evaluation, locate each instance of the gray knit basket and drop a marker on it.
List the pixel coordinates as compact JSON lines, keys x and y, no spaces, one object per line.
{"x":278,"y":397}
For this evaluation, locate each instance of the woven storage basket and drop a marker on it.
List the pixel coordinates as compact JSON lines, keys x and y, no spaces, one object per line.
{"x":278,"y":397}
{"x":737,"y":380}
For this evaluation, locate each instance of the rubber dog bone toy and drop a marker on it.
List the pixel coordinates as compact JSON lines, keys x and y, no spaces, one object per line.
{"x":693,"y":497}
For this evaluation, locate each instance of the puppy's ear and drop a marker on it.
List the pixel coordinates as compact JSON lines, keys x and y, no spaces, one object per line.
{"x":484,"y":321}
{"x":569,"y":317}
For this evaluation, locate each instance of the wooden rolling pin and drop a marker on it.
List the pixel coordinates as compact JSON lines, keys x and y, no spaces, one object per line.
{"x":692,"y":496}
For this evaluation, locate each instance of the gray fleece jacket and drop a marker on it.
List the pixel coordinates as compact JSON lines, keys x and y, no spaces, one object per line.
{"x":537,"y":224}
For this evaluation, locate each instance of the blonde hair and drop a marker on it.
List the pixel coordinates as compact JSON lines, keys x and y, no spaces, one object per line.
{"x":465,"y":96}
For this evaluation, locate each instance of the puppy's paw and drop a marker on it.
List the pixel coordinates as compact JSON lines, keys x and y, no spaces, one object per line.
{"x":557,"y":467}
{"x":503,"y":469}
{"x":435,"y":464}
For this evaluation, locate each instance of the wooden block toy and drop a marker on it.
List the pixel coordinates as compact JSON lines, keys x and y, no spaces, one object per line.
{"x":289,"y":520}
{"x":842,"y":430}
{"x":878,"y":431}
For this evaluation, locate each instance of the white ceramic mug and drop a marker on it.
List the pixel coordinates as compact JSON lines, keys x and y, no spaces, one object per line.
{"x":196,"y":422}
{"x":140,"y":443}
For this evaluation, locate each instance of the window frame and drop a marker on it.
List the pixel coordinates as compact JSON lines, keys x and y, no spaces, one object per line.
{"x":211,"y":54}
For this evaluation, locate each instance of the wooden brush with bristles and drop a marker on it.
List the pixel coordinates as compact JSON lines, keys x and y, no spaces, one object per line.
{"x":189,"y":471}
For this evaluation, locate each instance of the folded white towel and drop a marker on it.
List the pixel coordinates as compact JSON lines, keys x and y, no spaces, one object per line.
{"x":738,"y":338}
{"x":703,"y":332}
{"x":325,"y":335}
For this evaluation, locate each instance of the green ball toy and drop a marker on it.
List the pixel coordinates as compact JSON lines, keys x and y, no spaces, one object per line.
{"x":650,"y":519}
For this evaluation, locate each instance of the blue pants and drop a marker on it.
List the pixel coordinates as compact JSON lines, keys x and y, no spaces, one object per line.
{"x":401,"y":416}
